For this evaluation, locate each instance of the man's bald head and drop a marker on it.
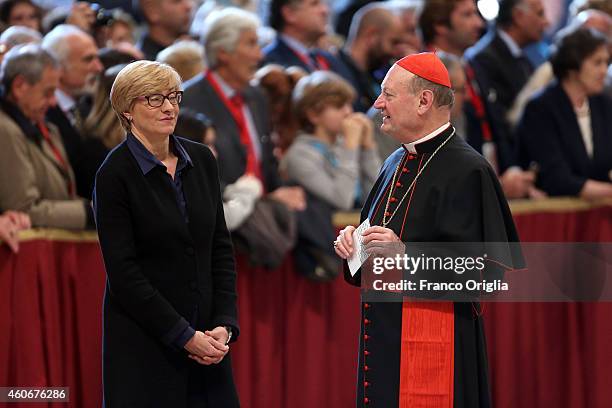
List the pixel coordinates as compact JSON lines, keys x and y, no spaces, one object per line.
{"x":375,"y":31}
{"x":374,"y":16}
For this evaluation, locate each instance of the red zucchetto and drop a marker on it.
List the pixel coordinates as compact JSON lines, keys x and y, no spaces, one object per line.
{"x":426,"y":65}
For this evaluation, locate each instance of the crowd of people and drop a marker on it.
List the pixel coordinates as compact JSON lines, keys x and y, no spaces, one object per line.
{"x":285,"y":102}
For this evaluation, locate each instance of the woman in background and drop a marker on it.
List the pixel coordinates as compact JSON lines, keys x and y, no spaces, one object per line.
{"x":566,"y":130}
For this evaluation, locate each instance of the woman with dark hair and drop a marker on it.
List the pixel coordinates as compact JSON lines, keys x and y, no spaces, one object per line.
{"x":20,"y":12}
{"x":566,"y":130}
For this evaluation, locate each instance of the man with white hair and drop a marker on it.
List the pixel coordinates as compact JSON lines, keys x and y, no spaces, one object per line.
{"x":80,"y":66}
{"x":432,"y":189}
{"x":238,"y":110}
{"x":35,"y":176}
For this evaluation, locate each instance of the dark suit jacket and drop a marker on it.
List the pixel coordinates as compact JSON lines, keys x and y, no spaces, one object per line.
{"x":549,"y":135}
{"x":278,"y":52}
{"x":497,"y":70}
{"x":84,"y":155}
{"x":201,"y":97}
{"x":160,"y":270}
{"x":500,"y":77}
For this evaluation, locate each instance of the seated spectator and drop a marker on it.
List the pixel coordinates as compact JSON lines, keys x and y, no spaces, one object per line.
{"x":278,"y":83}
{"x":20,"y":13}
{"x":36,"y":175}
{"x":11,"y":222}
{"x":566,"y":130}
{"x":186,"y":57}
{"x":334,"y":157}
{"x":239,"y":198}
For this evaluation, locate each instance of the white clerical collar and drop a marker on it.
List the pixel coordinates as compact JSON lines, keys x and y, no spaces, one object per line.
{"x":64,"y":101}
{"x":411,"y":147}
{"x":515,"y":50}
{"x":227,"y":90}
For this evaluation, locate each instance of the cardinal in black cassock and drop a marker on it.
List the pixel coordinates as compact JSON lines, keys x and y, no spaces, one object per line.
{"x":434,"y":188}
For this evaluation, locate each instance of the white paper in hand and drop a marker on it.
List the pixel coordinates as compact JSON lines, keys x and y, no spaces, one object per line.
{"x":359,"y":255}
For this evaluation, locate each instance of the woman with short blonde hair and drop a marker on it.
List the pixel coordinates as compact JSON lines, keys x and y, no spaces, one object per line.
{"x":170,"y":301}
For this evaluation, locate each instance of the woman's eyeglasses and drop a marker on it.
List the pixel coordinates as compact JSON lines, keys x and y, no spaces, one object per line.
{"x":157,"y":100}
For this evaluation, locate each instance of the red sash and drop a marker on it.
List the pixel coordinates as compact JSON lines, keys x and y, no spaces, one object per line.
{"x":235,"y":107}
{"x":427,"y":360}
{"x":428,"y":355}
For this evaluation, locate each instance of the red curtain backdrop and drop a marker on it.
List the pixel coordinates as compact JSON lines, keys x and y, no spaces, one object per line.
{"x":298,"y":344}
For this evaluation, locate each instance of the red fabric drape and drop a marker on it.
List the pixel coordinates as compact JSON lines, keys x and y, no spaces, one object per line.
{"x":298,"y":345}
{"x":553,"y":354}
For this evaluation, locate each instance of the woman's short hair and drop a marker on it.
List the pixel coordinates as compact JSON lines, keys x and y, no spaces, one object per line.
{"x":186,"y":57}
{"x":316,"y":91}
{"x":222,"y":31}
{"x":137,"y":79}
{"x":572,"y":47}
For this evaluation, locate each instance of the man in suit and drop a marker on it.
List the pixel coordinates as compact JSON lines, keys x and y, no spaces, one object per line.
{"x":300,"y":24}
{"x":501,"y":70}
{"x":453,"y":26}
{"x":450,"y":25}
{"x":80,"y":66}
{"x":498,"y":59}
{"x":374,"y":31}
{"x":35,"y":175}
{"x":238,"y":110}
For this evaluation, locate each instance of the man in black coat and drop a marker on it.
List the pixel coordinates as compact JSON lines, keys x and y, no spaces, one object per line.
{"x":502,"y":69}
{"x":299,"y":26}
{"x":433,"y":189}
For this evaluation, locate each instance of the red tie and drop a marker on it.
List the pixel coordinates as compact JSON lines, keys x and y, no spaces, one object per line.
{"x":252,"y":166}
{"x":58,"y":156}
